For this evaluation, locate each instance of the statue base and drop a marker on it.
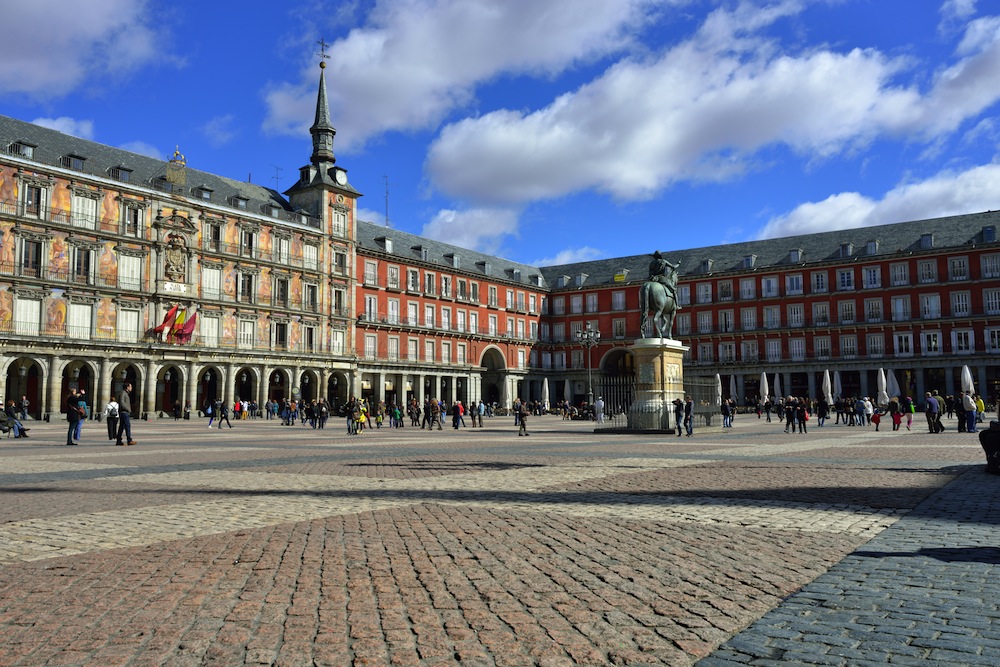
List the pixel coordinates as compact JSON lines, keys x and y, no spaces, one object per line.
{"x":659,"y":365}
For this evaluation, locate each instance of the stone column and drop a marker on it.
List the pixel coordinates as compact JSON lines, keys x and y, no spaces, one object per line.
{"x":380,"y":387}
{"x":228,"y":380}
{"x":191,"y":388}
{"x":102,"y":393}
{"x":419,"y":392}
{"x":52,"y":381}
{"x":812,"y":384}
{"x":148,"y":401}
{"x":659,"y":364}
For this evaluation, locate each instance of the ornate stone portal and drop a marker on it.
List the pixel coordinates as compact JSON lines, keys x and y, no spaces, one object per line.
{"x":659,"y":364}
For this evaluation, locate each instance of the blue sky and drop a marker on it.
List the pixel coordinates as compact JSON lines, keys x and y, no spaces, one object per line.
{"x":547,"y":131}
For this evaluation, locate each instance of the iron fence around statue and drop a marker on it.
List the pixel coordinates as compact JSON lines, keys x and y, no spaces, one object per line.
{"x":619,"y":395}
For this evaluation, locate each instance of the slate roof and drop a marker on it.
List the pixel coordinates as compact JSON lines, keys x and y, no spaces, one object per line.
{"x":51,"y":145}
{"x":439,"y":253}
{"x":775,"y":254}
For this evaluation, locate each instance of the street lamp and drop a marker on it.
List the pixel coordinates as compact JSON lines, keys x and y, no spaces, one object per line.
{"x":589,"y":337}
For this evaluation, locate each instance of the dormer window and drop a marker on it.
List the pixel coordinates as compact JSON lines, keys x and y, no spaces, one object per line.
{"x":273,"y":211}
{"x":706,"y":265}
{"x":453,"y":260}
{"x":749,"y":261}
{"x":536,"y":280}
{"x":871,"y":248}
{"x":22,"y":149}
{"x":204,"y":193}
{"x":485,"y":267}
{"x":846,"y":250}
{"x":795,"y":256}
{"x":420,"y":251}
{"x":515,"y":274}
{"x":989,"y":234}
{"x":240,"y":203}
{"x":580,"y":279}
{"x":564,"y":281}
{"x":120,"y":173}
{"x":926,"y":241}
{"x":74,"y":162}
{"x":385,"y":242}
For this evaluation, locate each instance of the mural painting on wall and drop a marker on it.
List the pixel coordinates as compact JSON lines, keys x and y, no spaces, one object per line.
{"x":263,"y":331}
{"x":7,"y":249}
{"x":231,"y":234}
{"x":55,"y":315}
{"x":109,"y":207}
{"x":107,"y":315}
{"x":294,"y":334}
{"x":229,"y":327}
{"x":265,"y":242}
{"x":229,"y":280}
{"x":296,"y":246}
{"x":58,"y":259}
{"x":296,"y":289}
{"x":6,"y":310}
{"x":8,"y":189}
{"x":107,"y":265}
{"x":60,"y":199}
{"x":264,"y":289}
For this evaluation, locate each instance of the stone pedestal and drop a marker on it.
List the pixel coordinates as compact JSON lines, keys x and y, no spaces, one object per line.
{"x":659,"y":369}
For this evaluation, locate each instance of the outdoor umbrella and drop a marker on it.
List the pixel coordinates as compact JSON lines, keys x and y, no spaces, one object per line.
{"x":968,"y":386}
{"x":838,"y":389}
{"x":568,"y":396}
{"x":883,"y":397}
{"x":777,"y":386}
{"x":732,"y":387}
{"x":827,"y":388}
{"x":504,"y":397}
{"x":545,"y":393}
{"x":892,"y":385}
{"x":718,"y":389}
{"x":765,"y":390}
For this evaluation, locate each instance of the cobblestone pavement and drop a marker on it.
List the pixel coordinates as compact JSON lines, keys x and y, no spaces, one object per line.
{"x":272,"y":545}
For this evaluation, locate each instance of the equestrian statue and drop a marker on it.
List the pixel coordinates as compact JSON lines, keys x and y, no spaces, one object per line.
{"x":659,"y":296}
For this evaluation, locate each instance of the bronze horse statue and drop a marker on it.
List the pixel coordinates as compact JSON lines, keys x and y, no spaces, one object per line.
{"x":653,"y":296}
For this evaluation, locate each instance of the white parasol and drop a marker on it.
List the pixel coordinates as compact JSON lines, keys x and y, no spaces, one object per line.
{"x":968,"y":386}
{"x":883,"y":397}
{"x":827,"y":388}
{"x":765,"y":390}
{"x":838,"y":389}
{"x":566,"y":394}
{"x":732,"y":387}
{"x":718,"y":389}
{"x":777,"y":387}
{"x":545,"y":393}
{"x":891,"y":384}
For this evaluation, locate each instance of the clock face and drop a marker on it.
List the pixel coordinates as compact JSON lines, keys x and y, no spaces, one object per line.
{"x":341,"y":176}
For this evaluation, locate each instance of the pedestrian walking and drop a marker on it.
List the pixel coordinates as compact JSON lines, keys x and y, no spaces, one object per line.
{"x":72,"y":409}
{"x":125,"y":416}
{"x":111,"y":417}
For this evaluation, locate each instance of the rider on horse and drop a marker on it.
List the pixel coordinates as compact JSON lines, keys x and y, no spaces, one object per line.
{"x":665,"y":273}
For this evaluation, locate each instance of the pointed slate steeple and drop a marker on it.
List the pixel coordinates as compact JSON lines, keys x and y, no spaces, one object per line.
{"x":322,"y":129}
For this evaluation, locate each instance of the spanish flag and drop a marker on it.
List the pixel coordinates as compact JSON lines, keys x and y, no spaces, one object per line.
{"x":184,"y":332}
{"x":168,"y":321}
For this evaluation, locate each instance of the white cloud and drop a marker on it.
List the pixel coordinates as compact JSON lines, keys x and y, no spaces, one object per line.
{"x":570,"y":256}
{"x":478,"y":229}
{"x":219,"y":130}
{"x":947,"y":193}
{"x":417,"y":60}
{"x":142,"y":148}
{"x":77,"y":128}
{"x":49,"y":49}
{"x":703,"y":109}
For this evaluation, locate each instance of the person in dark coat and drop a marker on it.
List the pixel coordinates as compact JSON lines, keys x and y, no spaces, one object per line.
{"x":72,"y":409}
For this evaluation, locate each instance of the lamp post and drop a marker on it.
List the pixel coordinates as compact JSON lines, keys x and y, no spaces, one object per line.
{"x":589,"y":337}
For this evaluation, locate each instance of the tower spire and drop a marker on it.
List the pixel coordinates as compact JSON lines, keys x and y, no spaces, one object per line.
{"x":322,"y":129}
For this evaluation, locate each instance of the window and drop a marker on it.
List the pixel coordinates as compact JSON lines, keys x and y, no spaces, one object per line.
{"x":446,"y":286}
{"x":848,"y":347}
{"x":903,"y":344}
{"x":393,"y":352}
{"x":246,"y":335}
{"x":748,"y":351}
{"x":618,"y":329}
{"x":772,"y":317}
{"x":819,"y":282}
{"x":899,"y":274}
{"x":927,"y":271}
{"x":492,"y":299}
{"x":209,"y":326}
{"x":900,"y":308}
{"x":428,"y":315}
{"x":82,"y":267}
{"x":821,"y":314}
{"x":793,"y":284}
{"x":683,"y":323}
{"x":726,"y":291}
{"x":684,"y":294}
{"x":281,"y":291}
{"x":520,"y":329}
{"x":845,"y":310}
{"x":460,"y":353}
{"x":704,"y":353}
{"x":392,"y":312}
{"x":413,"y":349}
{"x":963,"y":341}
{"x":797,"y":349}
{"x":310,"y":297}
{"x":371,"y":273}
{"x":246,"y":289}
{"x":958,"y":268}
{"x":474,"y":292}
{"x":592,"y":303}
{"x":773,"y":348}
{"x":132,"y":223}
{"x":991,"y":266}
{"x":129,"y":272}
{"x":821,"y":344}
{"x":960,"y":304}
{"x":371,"y":308}
{"x":560,"y":361}
{"x":727,"y":323}
{"x":796,"y":315}
{"x":991,"y":301}
{"x":446,"y":318}
{"x":576,"y":359}
{"x":371,"y":346}
{"x":930,"y":306}
{"x":248,"y":243}
{"x":768,"y":287}
{"x":309,"y":338}
{"x":279,"y":335}
{"x":875,"y":345}
{"x":33,"y":205}
{"x":85,"y":209}
{"x":74,"y":162}
{"x":510,"y":300}
{"x":872,"y":277}
{"x":128,"y":326}
{"x":340,"y":302}
{"x":748,"y":289}
{"x":22,"y":149}
{"x":474,"y":323}
{"x":413,"y":280}
{"x":533,"y":303}
{"x":993,"y":340}
{"x":428,"y":350}
{"x":727,"y":353}
{"x":931,"y":342}
{"x":705,"y":322}
{"x":282,"y":249}
{"x":704,"y":292}
{"x":460,"y":318}
{"x":748,"y":319}
{"x":27,"y":316}
{"x":845,"y":279}
{"x":494,"y":329}
{"x":412,"y":313}
{"x":873,"y":310}
{"x":576,"y":304}
{"x":559,"y":306}
{"x":446,"y":352}
{"x":871,"y":248}
{"x":338,"y":221}
{"x":337,"y":342}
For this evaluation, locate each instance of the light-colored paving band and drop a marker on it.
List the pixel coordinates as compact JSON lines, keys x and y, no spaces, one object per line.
{"x":274,"y":498}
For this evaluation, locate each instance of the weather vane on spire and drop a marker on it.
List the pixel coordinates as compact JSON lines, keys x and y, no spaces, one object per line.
{"x":322,"y":51}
